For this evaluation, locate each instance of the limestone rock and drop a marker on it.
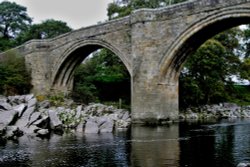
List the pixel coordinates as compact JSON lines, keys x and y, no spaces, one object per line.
{"x":12,"y":132}
{"x":8,"y":117}
{"x":5,"y":106}
{"x":55,"y":122}
{"x":91,"y":126}
{"x":43,"y":132}
{"x":107,"y":126}
{"x":243,"y":165}
{"x":20,"y":109}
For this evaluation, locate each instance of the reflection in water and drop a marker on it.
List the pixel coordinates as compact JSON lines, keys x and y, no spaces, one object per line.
{"x":222,"y":144}
{"x":155,"y":146}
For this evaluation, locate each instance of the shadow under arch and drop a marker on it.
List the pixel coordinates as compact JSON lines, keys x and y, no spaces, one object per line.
{"x":73,"y":57}
{"x":195,"y":35}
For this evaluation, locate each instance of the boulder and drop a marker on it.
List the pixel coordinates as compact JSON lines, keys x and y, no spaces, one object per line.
{"x":43,"y":132}
{"x":34,"y":117}
{"x":44,"y":104}
{"x":24,"y":120}
{"x":8,"y":117}
{"x":12,"y":132}
{"x":32,"y":103}
{"x":28,"y":97}
{"x":2,"y":129}
{"x":55,"y":122}
{"x":43,"y":122}
{"x":20,"y":109}
{"x":243,"y":164}
{"x":5,"y":106}
{"x":91,"y":126}
{"x":107,"y":126}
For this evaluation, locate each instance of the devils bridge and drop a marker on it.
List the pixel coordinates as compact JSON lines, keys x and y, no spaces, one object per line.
{"x":152,"y":43}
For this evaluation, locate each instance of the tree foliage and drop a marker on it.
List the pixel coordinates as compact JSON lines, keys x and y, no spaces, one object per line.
{"x":15,"y":29}
{"x":102,"y":77}
{"x":47,"y":29}
{"x":13,"y":20}
{"x":14,"y":77}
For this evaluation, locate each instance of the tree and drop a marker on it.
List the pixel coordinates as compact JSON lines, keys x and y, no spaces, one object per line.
{"x":47,"y":29}
{"x":102,"y":77}
{"x":245,"y":69}
{"x":14,"y":77}
{"x":13,"y":20}
{"x":207,"y":75}
{"x":123,"y":8}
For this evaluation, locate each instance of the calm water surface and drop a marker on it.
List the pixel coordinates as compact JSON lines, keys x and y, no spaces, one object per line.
{"x":219,"y":144}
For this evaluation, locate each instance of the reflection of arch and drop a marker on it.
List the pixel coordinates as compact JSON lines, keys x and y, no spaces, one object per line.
{"x":74,"y":55}
{"x":172,"y":62}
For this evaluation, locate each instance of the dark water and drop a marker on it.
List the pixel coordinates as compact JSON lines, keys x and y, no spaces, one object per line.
{"x":221,"y":144}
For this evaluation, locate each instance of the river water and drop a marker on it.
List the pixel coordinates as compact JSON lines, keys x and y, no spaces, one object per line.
{"x":216,"y":144}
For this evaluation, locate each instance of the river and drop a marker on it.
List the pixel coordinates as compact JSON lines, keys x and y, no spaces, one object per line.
{"x":213,"y":144}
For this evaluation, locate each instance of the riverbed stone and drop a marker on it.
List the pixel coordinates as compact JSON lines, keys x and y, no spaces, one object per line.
{"x":91,"y":126}
{"x":55,"y":122}
{"x":29,"y":97}
{"x":34,"y":117}
{"x":5,"y":106}
{"x":107,"y":126}
{"x":20,"y":109}
{"x":12,"y":132}
{"x":8,"y":117}
{"x":43,"y":132}
{"x":243,"y":164}
{"x":24,"y":120}
{"x":32,"y":102}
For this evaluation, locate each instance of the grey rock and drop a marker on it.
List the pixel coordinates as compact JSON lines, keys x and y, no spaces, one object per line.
{"x":24,"y":120}
{"x":80,"y":127}
{"x":12,"y":132}
{"x":43,"y":122}
{"x":55,"y":122}
{"x":125,"y":115}
{"x":32,"y":103}
{"x":20,"y":109}
{"x":43,"y":132}
{"x":34,"y":117}
{"x":107,"y":127}
{"x":2,"y":129}
{"x":91,"y":127}
{"x":122,"y":124}
{"x":8,"y":117}
{"x":243,"y":164}
{"x":29,"y":97}
{"x":44,"y":104}
{"x":5,"y":106}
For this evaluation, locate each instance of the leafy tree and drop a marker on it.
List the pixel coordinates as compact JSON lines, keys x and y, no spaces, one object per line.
{"x":13,"y":20}
{"x":47,"y":29}
{"x":102,"y":77}
{"x":14,"y":77}
{"x":207,"y":76}
{"x":123,"y":8}
{"x":245,"y":69}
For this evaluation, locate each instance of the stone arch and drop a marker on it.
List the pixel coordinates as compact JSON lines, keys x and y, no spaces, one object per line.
{"x":195,"y":35}
{"x":73,"y":56}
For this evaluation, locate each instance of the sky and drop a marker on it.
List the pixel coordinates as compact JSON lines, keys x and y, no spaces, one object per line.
{"x":76,"y":13}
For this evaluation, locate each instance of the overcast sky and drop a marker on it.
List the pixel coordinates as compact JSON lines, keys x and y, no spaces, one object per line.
{"x":76,"y":13}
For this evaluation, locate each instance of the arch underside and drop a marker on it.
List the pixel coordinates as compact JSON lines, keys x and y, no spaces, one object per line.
{"x":63,"y":78}
{"x":190,"y":40}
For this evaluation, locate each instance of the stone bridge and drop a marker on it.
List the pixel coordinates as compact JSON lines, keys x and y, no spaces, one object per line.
{"x":152,"y":43}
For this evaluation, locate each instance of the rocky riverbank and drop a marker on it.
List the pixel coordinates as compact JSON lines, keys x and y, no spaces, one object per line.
{"x":21,"y":115}
{"x":216,"y":111}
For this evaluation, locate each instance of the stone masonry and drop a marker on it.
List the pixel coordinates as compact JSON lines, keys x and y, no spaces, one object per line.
{"x":152,"y":43}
